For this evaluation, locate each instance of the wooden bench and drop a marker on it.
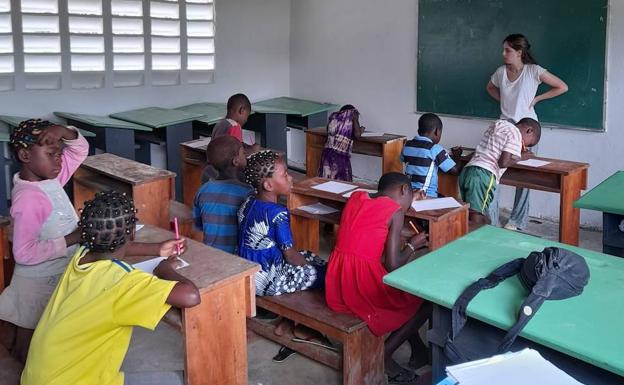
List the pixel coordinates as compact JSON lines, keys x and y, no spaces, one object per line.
{"x":360,"y":358}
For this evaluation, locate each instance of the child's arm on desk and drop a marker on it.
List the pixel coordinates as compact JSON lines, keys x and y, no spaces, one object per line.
{"x":357,"y":129}
{"x":396,"y":258}
{"x":184,"y":293}
{"x":163,"y":249}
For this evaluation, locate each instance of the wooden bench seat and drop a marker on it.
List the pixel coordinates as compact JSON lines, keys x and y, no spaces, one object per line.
{"x":361,"y":355}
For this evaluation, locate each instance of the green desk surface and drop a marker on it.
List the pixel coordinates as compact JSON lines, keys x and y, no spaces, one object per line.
{"x":156,"y":117}
{"x":211,"y":112}
{"x":606,"y":197}
{"x":14,"y":121}
{"x":587,"y":327}
{"x":101,"y":121}
{"x":291,"y":106}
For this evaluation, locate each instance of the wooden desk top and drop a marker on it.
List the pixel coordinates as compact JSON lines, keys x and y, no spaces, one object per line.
{"x":586,"y":327}
{"x":304,"y":187}
{"x":322,"y":131}
{"x":125,"y":170}
{"x":208,"y":267}
{"x":605,"y":197}
{"x":156,"y":117}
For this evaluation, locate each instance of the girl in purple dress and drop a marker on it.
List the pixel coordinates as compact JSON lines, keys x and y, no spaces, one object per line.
{"x":342,"y":129}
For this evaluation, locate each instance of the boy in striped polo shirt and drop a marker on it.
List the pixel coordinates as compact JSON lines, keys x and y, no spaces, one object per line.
{"x":423,"y":156}
{"x":502,"y":145}
{"x":217,"y":201}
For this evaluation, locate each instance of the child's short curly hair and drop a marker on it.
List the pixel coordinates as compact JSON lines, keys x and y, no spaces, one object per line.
{"x":107,"y":221}
{"x":27,"y":132}
{"x":259,"y":166}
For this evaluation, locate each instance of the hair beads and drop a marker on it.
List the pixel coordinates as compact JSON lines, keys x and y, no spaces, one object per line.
{"x":27,"y":132}
{"x":259,"y":166}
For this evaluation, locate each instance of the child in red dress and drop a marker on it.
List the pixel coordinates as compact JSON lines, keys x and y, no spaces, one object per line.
{"x":354,"y":284}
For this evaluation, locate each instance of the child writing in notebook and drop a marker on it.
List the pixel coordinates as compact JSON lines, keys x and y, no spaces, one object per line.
{"x":238,"y":111}
{"x":502,"y":145}
{"x":44,"y":221}
{"x":85,"y":329}
{"x":368,"y":246}
{"x":217,"y":201}
{"x":342,"y":129}
{"x":423,"y":156}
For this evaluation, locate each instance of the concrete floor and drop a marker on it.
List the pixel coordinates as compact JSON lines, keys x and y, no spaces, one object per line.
{"x":297,"y":370}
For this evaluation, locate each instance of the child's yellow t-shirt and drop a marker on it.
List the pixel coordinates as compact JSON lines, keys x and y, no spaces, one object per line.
{"x":84,"y":332}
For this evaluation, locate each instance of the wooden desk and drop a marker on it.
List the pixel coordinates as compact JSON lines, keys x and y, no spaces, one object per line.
{"x":110,"y":135}
{"x":581,"y":335}
{"x":607,"y":197}
{"x":560,"y":176}
{"x":211,"y":113}
{"x":215,"y":332}
{"x":193,"y":157}
{"x":388,"y":147}
{"x":151,"y":188}
{"x":445,"y":225}
{"x":170,"y":126}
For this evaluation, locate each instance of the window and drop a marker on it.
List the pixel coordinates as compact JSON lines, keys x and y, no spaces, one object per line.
{"x":127,"y":41}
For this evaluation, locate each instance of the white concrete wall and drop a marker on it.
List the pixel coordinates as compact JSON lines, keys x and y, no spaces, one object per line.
{"x":252,"y":56}
{"x":363,"y":52}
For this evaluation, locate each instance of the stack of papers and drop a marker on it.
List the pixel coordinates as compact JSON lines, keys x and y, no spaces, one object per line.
{"x":370,"y":192}
{"x":334,"y":187}
{"x":149,"y":265}
{"x":371,"y":134}
{"x":435,"y":204}
{"x":533,"y":163}
{"x":318,"y":209}
{"x":200,"y":142}
{"x":524,"y":367}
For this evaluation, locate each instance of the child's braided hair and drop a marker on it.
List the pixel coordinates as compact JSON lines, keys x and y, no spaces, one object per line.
{"x":27,"y":132}
{"x":259,"y":166}
{"x":107,"y":221}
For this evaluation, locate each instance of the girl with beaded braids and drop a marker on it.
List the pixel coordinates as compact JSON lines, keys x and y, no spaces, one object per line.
{"x":87,"y":325}
{"x":44,"y":222}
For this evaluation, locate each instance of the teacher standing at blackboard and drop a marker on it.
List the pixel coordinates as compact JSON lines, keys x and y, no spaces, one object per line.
{"x":514,"y":86}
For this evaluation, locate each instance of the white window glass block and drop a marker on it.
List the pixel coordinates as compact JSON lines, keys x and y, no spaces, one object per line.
{"x":127,"y":8}
{"x":164,"y":10}
{"x":128,"y":63}
{"x":200,"y":62}
{"x":84,"y":7}
{"x":86,"y":44}
{"x":127,"y":26}
{"x":5,"y":23}
{"x":40,"y":6}
{"x":199,"y":12}
{"x":40,"y":24}
{"x":5,"y":6}
{"x":6,"y":64}
{"x":196,"y":45}
{"x":200,"y":29}
{"x":86,"y":25}
{"x":128,"y":44}
{"x":165,"y":27}
{"x":165,"y":44}
{"x":42,"y":44}
{"x":165,"y":62}
{"x":87,"y":63}
{"x":6,"y":44}
{"x":42,"y":63}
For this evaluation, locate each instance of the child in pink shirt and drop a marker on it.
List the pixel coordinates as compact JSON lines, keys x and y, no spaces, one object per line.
{"x":45,"y":224}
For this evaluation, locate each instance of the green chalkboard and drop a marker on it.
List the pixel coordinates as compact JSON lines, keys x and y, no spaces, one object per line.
{"x":460,"y":47}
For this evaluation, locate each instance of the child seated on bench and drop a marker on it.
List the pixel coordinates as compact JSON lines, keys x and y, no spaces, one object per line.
{"x":368,"y":246}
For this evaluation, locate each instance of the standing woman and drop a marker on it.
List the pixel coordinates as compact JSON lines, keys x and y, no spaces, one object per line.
{"x":514,"y":85}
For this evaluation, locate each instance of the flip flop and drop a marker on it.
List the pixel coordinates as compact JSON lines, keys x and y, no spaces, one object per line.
{"x":283,"y":354}
{"x":323,"y":344}
{"x":403,"y":377}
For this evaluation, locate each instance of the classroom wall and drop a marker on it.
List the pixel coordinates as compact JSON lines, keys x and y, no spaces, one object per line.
{"x":252,"y":43}
{"x":360,"y":52}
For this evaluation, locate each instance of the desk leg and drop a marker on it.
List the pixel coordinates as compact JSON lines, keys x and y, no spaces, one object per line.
{"x":391,"y":156}
{"x":175,"y":135}
{"x":448,"y":229}
{"x":272,"y":128}
{"x":314,"y":149}
{"x":448,"y":185}
{"x":215,"y":337}
{"x":569,"y":217}
{"x":119,"y":141}
{"x":305,"y":230}
{"x":317,"y":120}
{"x":359,"y":366}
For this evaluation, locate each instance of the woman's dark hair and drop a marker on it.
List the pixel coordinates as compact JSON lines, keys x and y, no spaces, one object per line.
{"x":259,"y":166}
{"x":107,"y":221}
{"x":519,"y":42}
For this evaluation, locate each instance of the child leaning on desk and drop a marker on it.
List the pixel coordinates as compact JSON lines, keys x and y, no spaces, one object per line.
{"x":238,"y":111}
{"x":85,"y":330}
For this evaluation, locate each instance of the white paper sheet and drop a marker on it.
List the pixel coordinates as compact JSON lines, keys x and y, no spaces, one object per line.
{"x":334,"y":187}
{"x":533,"y":163}
{"x":371,"y":134}
{"x":149,"y":265}
{"x":318,"y":208}
{"x":435,"y":204}
{"x":138,"y":227}
{"x":370,"y":192}
{"x":511,"y":369}
{"x":200,"y":142}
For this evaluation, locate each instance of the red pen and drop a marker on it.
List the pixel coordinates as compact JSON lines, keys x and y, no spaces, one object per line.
{"x":177,"y":232}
